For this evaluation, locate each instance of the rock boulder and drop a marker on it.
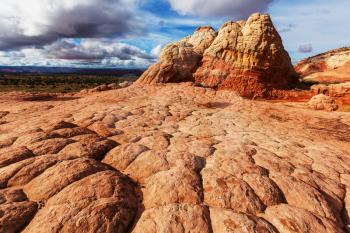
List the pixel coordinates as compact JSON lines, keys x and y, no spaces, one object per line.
{"x":323,"y":102}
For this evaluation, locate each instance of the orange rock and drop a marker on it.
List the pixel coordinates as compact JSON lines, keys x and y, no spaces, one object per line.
{"x":178,"y":185}
{"x":187,"y":159}
{"x":59,"y":176}
{"x":326,"y":68}
{"x":323,"y":102}
{"x":289,"y":219}
{"x":247,"y":57}
{"x":174,"y":218}
{"x":177,"y":64}
{"x":103,"y":202}
{"x":224,"y":220}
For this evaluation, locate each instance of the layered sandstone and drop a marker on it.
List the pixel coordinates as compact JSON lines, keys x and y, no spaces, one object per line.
{"x":180,"y":60}
{"x":327,"y":68}
{"x":177,"y":63}
{"x":245,"y":56}
{"x":334,"y":90}
{"x":171,"y":158}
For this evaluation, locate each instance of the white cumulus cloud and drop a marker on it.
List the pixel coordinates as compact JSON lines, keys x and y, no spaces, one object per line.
{"x":40,"y":22}
{"x":156,"y":51}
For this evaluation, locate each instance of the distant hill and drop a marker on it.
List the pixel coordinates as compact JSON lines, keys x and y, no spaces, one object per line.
{"x":68,"y":70}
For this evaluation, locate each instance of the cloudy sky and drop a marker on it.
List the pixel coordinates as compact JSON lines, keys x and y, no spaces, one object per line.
{"x":131,"y":33}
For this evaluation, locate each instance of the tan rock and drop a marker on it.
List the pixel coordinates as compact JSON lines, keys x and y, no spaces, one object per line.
{"x":14,"y":216}
{"x":49,"y":146}
{"x":177,"y":185}
{"x":267,"y":191}
{"x":185,"y":160}
{"x":223,"y":220}
{"x":273,"y":163}
{"x":323,"y":102}
{"x":156,"y":142}
{"x":33,"y":137}
{"x":180,"y":60}
{"x":32,"y":169}
{"x":201,"y":39}
{"x":104,"y":130}
{"x":9,"y":156}
{"x":59,"y":124}
{"x":6,"y":173}
{"x":177,"y":63}
{"x":71,"y":132}
{"x":147,"y":164}
{"x":124,"y":84}
{"x":289,"y":219}
{"x":12,"y":195}
{"x":248,"y":58}
{"x":334,"y":191}
{"x":198,"y":160}
{"x":122,"y":156}
{"x":112,"y":86}
{"x":346,"y":211}
{"x":103,"y":202}
{"x":54,"y":179}
{"x":223,"y":190}
{"x":7,"y":142}
{"x":94,"y":149}
{"x":304,"y":196}
{"x":15,"y":210}
{"x":174,"y":218}
{"x":326,"y":68}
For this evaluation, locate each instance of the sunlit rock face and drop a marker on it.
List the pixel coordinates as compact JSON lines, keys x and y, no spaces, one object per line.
{"x":326,"y":68}
{"x":171,"y":158}
{"x":180,"y":60}
{"x":245,"y":56}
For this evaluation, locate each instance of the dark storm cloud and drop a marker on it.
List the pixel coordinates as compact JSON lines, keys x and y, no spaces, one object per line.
{"x":10,"y":42}
{"x":102,"y":20}
{"x":94,"y":51}
{"x":93,"y":19}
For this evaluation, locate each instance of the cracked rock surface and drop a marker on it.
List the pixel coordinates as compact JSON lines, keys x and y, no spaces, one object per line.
{"x":171,"y":158}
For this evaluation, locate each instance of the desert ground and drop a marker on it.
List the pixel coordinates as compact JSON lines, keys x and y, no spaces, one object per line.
{"x":171,"y":158}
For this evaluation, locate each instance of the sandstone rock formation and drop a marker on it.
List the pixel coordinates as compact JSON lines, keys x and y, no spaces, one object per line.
{"x":177,"y":63}
{"x":334,"y":90}
{"x":323,"y":102}
{"x":171,"y":158}
{"x":180,"y":60}
{"x":202,"y":38}
{"x":245,"y":56}
{"x":326,"y":68}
